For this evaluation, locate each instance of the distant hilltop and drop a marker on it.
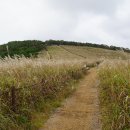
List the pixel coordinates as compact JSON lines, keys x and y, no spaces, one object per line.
{"x":33,"y":47}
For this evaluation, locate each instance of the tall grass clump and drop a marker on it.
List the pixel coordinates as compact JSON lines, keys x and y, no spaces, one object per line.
{"x":30,"y":86}
{"x":115,"y":95}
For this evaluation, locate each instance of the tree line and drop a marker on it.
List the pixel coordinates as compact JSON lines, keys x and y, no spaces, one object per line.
{"x":27,"y":48}
{"x":61,"y":42}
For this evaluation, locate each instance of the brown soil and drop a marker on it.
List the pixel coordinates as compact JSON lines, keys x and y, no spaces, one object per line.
{"x":81,"y":110}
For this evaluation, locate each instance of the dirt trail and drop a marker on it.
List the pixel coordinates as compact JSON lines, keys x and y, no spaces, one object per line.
{"x":81,"y":110}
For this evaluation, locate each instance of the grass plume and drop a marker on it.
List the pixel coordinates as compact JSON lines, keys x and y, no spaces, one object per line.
{"x":115,"y":95}
{"x":29,"y":86}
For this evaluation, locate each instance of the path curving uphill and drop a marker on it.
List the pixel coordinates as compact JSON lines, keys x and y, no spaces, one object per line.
{"x":81,"y":110}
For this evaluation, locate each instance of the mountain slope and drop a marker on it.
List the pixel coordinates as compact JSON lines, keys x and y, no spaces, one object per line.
{"x":81,"y":52}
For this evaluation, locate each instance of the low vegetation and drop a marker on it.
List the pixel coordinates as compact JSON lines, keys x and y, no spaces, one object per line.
{"x":72,"y":43}
{"x":115,"y":95}
{"x":30,"y":86}
{"x":85,"y":52}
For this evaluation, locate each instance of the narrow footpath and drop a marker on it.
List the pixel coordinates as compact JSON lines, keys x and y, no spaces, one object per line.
{"x":81,"y":110}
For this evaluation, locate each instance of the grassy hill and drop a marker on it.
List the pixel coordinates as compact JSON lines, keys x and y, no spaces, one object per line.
{"x":57,"y":52}
{"x":30,"y":88}
{"x":81,"y":52}
{"x":62,"y":50}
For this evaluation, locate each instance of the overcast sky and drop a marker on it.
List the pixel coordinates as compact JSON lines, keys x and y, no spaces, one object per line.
{"x":96,"y":21}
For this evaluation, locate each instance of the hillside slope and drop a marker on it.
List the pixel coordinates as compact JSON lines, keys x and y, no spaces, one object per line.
{"x":81,"y":52}
{"x":62,"y":50}
{"x":57,"y":52}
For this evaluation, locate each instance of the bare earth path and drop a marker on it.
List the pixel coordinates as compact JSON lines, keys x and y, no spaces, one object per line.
{"x":81,"y":110}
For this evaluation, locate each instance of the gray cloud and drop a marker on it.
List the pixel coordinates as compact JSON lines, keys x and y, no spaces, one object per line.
{"x":97,"y":6}
{"x":98,"y":21}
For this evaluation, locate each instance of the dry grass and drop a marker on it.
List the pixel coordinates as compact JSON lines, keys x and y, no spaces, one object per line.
{"x":81,"y":53}
{"x":94,"y":53}
{"x":58,"y":53}
{"x":28,"y":86}
{"x":115,"y":95}
{"x":31,"y":87}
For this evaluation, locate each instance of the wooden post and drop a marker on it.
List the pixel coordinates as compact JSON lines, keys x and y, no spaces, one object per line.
{"x":7,"y":49}
{"x":13,"y":99}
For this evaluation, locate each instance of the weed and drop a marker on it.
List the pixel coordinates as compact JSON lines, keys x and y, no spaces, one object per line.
{"x":29,"y":86}
{"x":115,"y":95}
